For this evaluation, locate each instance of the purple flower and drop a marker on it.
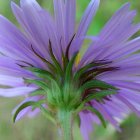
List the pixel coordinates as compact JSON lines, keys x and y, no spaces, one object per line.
{"x":43,"y":63}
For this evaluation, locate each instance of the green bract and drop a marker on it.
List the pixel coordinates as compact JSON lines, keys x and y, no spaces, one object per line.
{"x":65,"y":87}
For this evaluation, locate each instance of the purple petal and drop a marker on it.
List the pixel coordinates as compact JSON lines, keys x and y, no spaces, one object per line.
{"x":15,"y":37}
{"x":106,"y":114}
{"x":10,"y":67}
{"x":34,"y":113}
{"x":55,"y":39}
{"x":88,"y":17}
{"x":16,"y":46}
{"x":70,"y":17}
{"x":17,"y":91}
{"x":110,"y":49}
{"x":35,"y":25}
{"x":126,"y":49}
{"x":129,"y":104}
{"x":32,"y":18}
{"x":113,"y":35}
{"x":127,"y":85}
{"x":59,"y":11}
{"x":85,"y":22}
{"x":86,"y":125}
{"x":11,"y":81}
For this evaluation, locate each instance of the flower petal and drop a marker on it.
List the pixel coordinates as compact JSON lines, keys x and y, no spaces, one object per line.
{"x":59,"y":10}
{"x":9,"y":67}
{"x":40,"y":33}
{"x":86,"y":125}
{"x":85,"y":23}
{"x":129,"y":103}
{"x":17,"y":91}
{"x":36,"y":28}
{"x":18,"y":41}
{"x":126,"y":49}
{"x":12,"y":81}
{"x":118,"y":30}
{"x":88,"y":17}
{"x":106,"y":114}
{"x":70,"y":18}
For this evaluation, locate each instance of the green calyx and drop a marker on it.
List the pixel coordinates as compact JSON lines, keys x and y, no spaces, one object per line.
{"x":65,"y":89}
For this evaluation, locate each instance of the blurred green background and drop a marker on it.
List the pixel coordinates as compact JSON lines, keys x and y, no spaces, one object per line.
{"x":39,"y":128}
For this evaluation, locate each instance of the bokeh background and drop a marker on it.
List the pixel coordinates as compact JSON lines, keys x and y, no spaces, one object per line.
{"x":39,"y":128}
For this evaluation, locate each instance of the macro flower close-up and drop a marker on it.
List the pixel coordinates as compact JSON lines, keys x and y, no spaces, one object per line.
{"x":44,"y":61}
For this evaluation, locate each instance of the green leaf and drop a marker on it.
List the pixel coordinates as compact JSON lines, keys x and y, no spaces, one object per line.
{"x":38,"y":92}
{"x":80,"y":107}
{"x":84,"y":69}
{"x":39,"y":83}
{"x":69,"y":67}
{"x":81,"y":71}
{"x":95,"y":111}
{"x":96,"y":84}
{"x":65,"y":61}
{"x":78,"y":119}
{"x":66,"y":55}
{"x":34,"y":105}
{"x":56,"y":91}
{"x":51,"y":66}
{"x":26,"y":104}
{"x":68,"y":47}
{"x":40,"y":72}
{"x":56,"y":63}
{"x":99,"y":95}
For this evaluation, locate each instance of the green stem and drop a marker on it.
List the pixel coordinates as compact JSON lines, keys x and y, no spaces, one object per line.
{"x":65,"y":120}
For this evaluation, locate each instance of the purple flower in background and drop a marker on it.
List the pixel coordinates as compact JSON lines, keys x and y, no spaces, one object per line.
{"x":44,"y":64}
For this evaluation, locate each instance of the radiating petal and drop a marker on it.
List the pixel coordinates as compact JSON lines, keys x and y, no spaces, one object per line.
{"x":86,"y":125}
{"x":118,"y":30}
{"x":11,"y":81}
{"x":106,"y":114}
{"x":59,"y":10}
{"x":88,"y":17}
{"x":17,"y":91}
{"x":130,"y":104}
{"x":10,"y":67}
{"x":70,"y":17}
{"x":33,"y":113}
{"x":35,"y":25}
{"x":10,"y":34}
{"x":85,"y":23}
{"x":126,"y":49}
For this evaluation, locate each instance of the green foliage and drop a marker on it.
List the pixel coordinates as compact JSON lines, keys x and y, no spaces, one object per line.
{"x":39,"y":83}
{"x":96,"y":84}
{"x":40,"y":72}
{"x":82,"y":70}
{"x":69,"y":67}
{"x":100,"y":95}
{"x":23,"y":106}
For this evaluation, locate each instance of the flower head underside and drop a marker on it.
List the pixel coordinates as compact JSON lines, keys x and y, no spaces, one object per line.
{"x":44,"y":64}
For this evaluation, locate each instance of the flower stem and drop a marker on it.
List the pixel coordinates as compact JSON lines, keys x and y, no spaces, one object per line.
{"x":65,"y":120}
